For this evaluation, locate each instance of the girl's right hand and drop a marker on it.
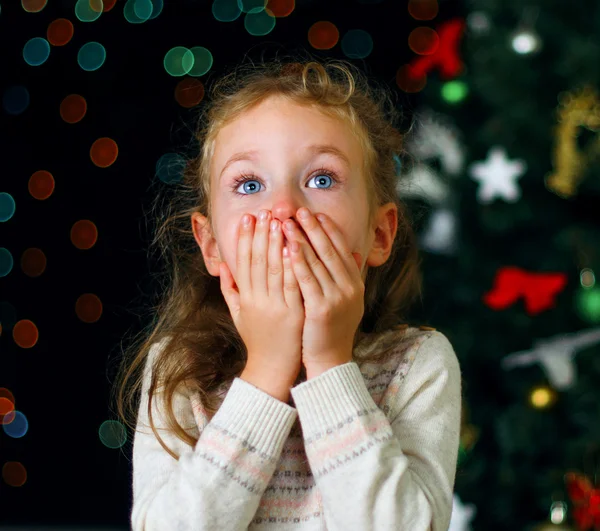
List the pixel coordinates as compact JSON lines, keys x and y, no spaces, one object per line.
{"x":268,"y":310}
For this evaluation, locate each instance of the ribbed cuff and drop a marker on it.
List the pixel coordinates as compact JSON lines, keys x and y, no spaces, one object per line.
{"x":256,"y":416}
{"x":331,"y":398}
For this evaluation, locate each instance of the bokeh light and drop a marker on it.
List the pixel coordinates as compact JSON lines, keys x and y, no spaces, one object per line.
{"x":542,"y":397}
{"x":7,"y":401}
{"x":226,"y":10}
{"x":104,"y":152}
{"x":252,"y":6}
{"x":169,"y":168}
{"x":189,"y":92}
{"x":33,"y":262}
{"x":84,"y":234}
{"x":280,"y":8}
{"x":178,"y":61}
{"x":407,"y":82}
{"x":18,"y":426}
{"x":14,"y":474}
{"x":203,"y":61}
{"x":33,"y":6}
{"x":15,"y":100}
{"x":6,"y":406}
{"x":525,"y":42}
{"x":423,"y":9}
{"x":88,"y":308}
{"x":41,"y":185}
{"x":88,"y":10}
{"x":454,"y":91}
{"x":25,"y":333}
{"x":108,"y":5}
{"x":140,"y":11}
{"x":91,"y":56}
{"x":6,"y":262}
{"x":587,"y":304}
{"x":143,"y":9}
{"x":36,"y":51}
{"x":423,"y":40}
{"x":323,"y":35}
{"x":587,"y":278}
{"x":259,"y":23}
{"x":7,"y":206}
{"x":112,"y":434}
{"x":60,"y":32}
{"x":357,"y":44}
{"x":73,"y":108}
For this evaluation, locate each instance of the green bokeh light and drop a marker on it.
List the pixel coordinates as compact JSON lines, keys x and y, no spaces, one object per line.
{"x":179,"y":61}
{"x":85,"y":13}
{"x":91,"y":56}
{"x":357,"y":44}
{"x":454,"y":91}
{"x":170,"y":167}
{"x":112,"y":434}
{"x":587,"y":303}
{"x":226,"y":10}
{"x":252,"y":6}
{"x":259,"y":23}
{"x":203,"y":61}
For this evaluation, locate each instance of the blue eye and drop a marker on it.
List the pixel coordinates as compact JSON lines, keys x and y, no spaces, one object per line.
{"x":242,"y":179}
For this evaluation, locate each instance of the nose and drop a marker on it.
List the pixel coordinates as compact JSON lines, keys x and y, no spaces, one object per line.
{"x":285,"y":210}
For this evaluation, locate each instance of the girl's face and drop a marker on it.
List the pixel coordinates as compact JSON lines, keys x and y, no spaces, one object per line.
{"x":292,"y":156}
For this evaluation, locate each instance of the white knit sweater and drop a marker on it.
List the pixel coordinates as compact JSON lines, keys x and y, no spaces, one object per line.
{"x":368,"y":449}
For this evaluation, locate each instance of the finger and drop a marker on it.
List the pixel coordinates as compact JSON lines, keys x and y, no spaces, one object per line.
{"x":291,"y":287}
{"x":331,"y":248}
{"x":231,"y":296}
{"x":275,"y":269}
{"x":318,"y":269}
{"x":307,"y":280}
{"x":260,"y":247}
{"x":244,"y":255}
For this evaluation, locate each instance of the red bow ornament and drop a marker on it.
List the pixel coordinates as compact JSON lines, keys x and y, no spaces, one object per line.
{"x":538,"y":289}
{"x":586,"y":501}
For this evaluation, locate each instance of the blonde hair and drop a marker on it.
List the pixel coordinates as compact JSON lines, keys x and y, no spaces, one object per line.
{"x":204,"y":348}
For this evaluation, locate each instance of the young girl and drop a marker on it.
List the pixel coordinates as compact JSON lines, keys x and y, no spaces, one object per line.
{"x":280,"y":389}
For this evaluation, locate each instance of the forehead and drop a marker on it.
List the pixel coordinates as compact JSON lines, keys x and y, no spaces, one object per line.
{"x":279,"y":124}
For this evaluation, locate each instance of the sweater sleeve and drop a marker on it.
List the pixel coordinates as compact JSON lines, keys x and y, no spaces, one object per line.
{"x":380,"y":474}
{"x":218,"y":483}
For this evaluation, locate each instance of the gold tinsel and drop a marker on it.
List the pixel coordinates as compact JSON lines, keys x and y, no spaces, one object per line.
{"x":580,"y":108}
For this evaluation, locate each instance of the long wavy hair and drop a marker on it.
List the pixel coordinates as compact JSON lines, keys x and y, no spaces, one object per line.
{"x":204,"y":348}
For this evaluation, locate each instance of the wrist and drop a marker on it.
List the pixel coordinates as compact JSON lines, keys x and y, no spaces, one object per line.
{"x":312,"y":371}
{"x":277,"y":388}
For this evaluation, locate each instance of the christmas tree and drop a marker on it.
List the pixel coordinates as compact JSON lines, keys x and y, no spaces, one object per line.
{"x":503,"y":180}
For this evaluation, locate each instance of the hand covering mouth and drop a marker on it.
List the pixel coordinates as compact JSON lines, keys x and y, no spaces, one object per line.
{"x":298,"y":231}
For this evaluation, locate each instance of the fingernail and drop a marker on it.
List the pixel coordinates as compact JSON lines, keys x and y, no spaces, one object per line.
{"x":246,"y":219}
{"x":303,"y":213}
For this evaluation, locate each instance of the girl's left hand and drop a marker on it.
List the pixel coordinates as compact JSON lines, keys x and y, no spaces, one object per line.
{"x":332,"y":288}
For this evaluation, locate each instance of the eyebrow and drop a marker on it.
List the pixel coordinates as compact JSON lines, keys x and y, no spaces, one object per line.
{"x":315,"y":149}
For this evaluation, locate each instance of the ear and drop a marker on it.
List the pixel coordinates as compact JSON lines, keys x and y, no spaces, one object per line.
{"x":205,"y":239}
